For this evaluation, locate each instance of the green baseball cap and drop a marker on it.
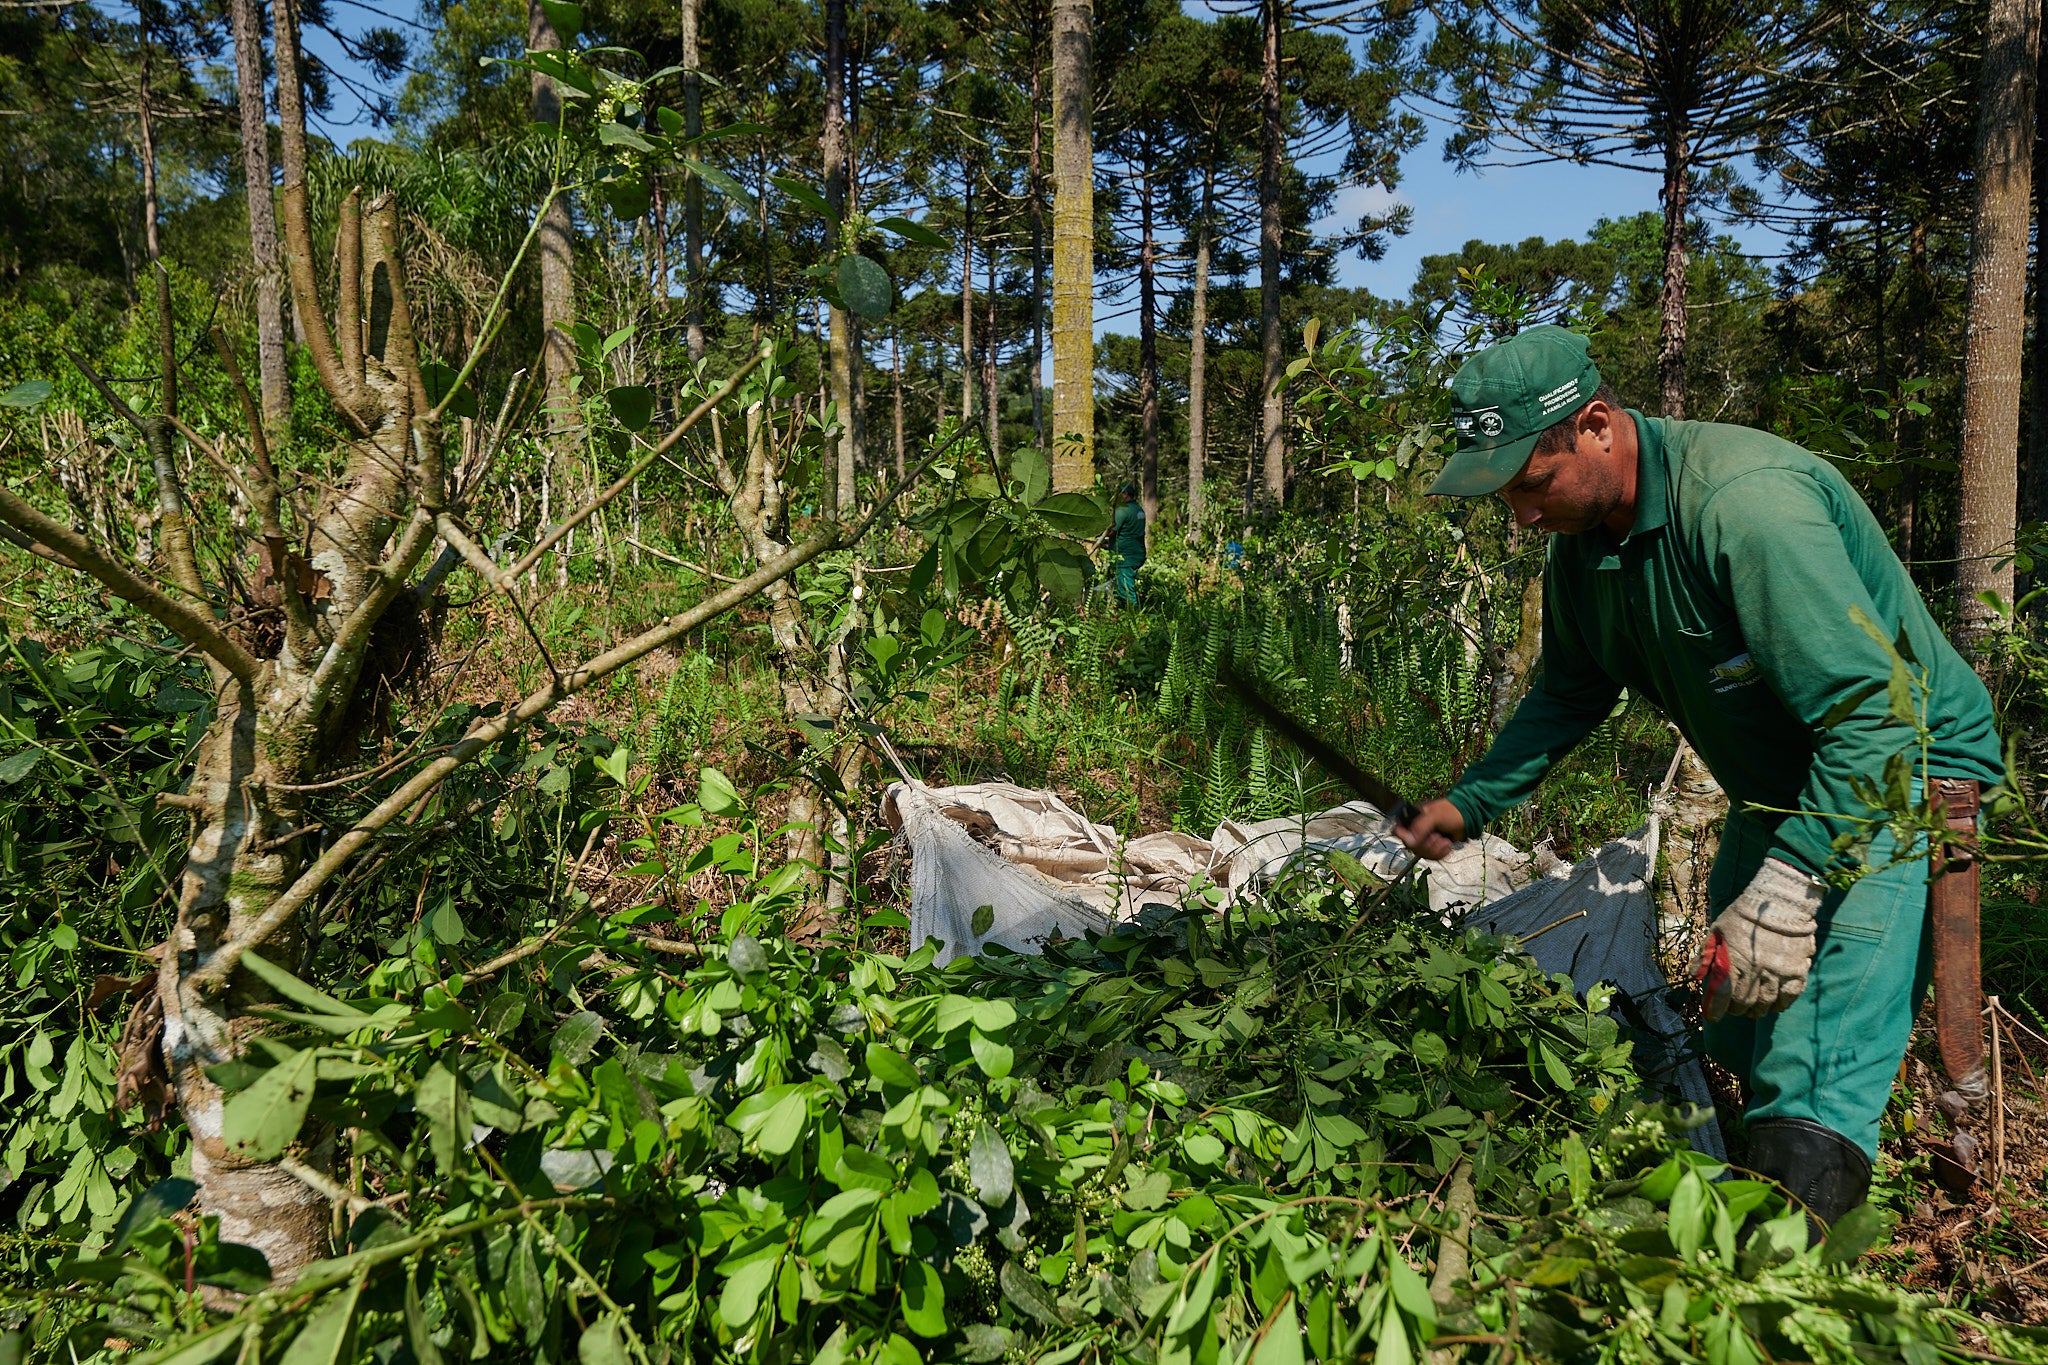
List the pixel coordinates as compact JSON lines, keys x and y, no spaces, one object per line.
{"x":1503,"y":399}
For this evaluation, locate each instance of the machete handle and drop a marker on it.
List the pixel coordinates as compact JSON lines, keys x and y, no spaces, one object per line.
{"x":1713,"y":973}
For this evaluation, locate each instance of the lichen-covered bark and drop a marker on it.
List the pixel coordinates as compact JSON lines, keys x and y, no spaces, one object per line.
{"x":237,"y":864}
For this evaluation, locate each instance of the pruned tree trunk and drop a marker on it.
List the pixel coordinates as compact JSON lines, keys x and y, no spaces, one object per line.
{"x":274,"y":376}
{"x":812,"y":680}
{"x":1148,"y":353}
{"x":1198,"y":355}
{"x":1073,"y":247}
{"x":1996,"y":321}
{"x":693,"y":192}
{"x":278,"y":719}
{"x":1671,"y":328}
{"x":1692,"y":814}
{"x":1272,"y":155}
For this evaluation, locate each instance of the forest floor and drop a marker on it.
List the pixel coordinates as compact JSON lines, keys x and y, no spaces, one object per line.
{"x":1982,"y":1240}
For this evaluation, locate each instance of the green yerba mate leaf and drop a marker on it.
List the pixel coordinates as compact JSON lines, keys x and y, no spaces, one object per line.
{"x":631,"y":404}
{"x":603,"y":1342}
{"x":990,"y":1167}
{"x":564,"y":17}
{"x":160,"y":1200}
{"x":924,"y":1300}
{"x":1854,"y":1233}
{"x":260,"y":1122}
{"x":578,"y":1036}
{"x":443,"y":1101}
{"x":26,"y":394}
{"x":864,"y":286}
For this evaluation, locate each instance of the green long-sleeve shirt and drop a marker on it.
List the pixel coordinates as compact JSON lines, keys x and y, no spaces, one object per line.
{"x":1128,"y":533}
{"x":1728,"y":605}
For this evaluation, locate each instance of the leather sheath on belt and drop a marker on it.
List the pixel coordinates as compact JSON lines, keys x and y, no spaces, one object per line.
{"x":1952,"y":906}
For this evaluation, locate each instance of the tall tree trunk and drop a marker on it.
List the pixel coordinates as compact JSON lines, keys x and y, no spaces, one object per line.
{"x":2034,"y":489}
{"x":764,"y":296}
{"x":1995,"y":325}
{"x":1920,"y":296}
{"x":991,"y":387}
{"x":839,"y":486}
{"x":1073,"y":246}
{"x":167,"y":342}
{"x":556,"y":246}
{"x":1198,"y":354}
{"x":1272,"y":153}
{"x":1148,"y":353}
{"x":656,"y":228}
{"x":1671,"y":333}
{"x":967,"y":299}
{"x":896,"y":367}
{"x":274,"y":378}
{"x":1035,"y":171}
{"x":693,"y":190}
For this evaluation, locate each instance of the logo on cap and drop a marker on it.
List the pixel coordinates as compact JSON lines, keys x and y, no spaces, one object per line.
{"x":1490,"y":423}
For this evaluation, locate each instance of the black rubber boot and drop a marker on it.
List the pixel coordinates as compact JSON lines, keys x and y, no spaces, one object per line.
{"x":1817,"y":1166}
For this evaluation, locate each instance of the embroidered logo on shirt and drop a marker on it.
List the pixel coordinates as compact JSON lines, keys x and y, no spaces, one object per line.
{"x":1734,"y":673}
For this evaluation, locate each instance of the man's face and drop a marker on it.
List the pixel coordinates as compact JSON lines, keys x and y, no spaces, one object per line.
{"x":1570,"y":491}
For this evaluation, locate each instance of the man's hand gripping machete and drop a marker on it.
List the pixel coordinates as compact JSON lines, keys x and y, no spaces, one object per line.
{"x":1756,"y":959}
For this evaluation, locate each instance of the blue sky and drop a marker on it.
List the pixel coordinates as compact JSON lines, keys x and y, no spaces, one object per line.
{"x":1495,"y":204}
{"x":1500,"y":204}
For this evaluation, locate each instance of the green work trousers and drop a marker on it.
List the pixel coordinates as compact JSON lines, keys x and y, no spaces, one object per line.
{"x":1124,"y":578}
{"x":1832,"y":1055}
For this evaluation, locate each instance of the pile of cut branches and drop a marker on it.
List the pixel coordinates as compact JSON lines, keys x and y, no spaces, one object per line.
{"x":1282,"y":1134}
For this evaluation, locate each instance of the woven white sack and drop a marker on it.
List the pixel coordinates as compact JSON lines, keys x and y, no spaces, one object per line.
{"x":1043,"y":867}
{"x":952,"y":876}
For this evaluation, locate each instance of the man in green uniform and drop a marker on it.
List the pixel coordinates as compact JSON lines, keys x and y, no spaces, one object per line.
{"x":1126,"y":537}
{"x":1717,"y":571}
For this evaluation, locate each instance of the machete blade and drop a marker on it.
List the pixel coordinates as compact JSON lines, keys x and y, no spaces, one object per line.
{"x":1325,"y":755}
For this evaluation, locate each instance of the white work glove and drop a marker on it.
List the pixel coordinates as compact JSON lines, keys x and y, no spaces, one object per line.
{"x":1755,"y":961}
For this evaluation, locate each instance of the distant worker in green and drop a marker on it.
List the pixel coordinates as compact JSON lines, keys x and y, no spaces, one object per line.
{"x":1720,"y":572}
{"x":1126,"y":540}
